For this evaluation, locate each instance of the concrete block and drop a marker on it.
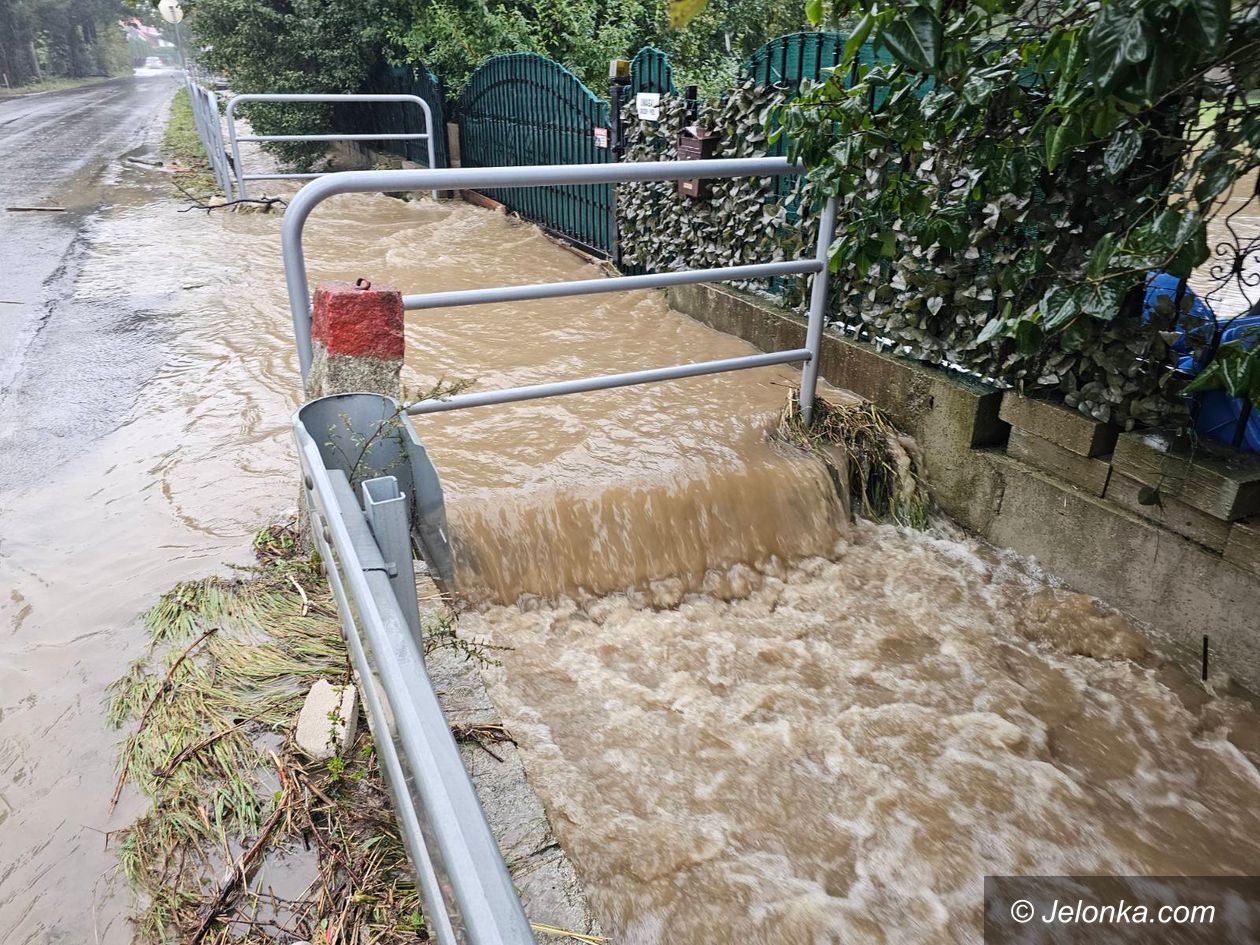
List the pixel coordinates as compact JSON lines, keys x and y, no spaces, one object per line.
{"x":328,"y":721}
{"x":1089,"y":474}
{"x":1171,"y":513}
{"x":357,"y":339}
{"x":1174,"y":584}
{"x":1061,"y":425}
{"x":947,"y":413}
{"x":1218,"y":480}
{"x":1242,"y":547}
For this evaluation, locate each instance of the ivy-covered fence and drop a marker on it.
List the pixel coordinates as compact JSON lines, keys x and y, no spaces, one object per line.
{"x":742,"y":220}
{"x":917,"y":305}
{"x":931,"y":288}
{"x":931,"y":299}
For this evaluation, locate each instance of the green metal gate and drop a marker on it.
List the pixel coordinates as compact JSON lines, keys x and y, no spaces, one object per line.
{"x":650,"y":71}
{"x":523,"y":108}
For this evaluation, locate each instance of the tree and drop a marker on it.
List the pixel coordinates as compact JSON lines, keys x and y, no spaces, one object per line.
{"x":60,"y":38}
{"x":293,"y":46}
{"x":452,"y":37}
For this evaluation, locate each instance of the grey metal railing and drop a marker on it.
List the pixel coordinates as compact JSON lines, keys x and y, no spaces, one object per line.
{"x":300,"y":97}
{"x":468,"y":893}
{"x":478,"y":178}
{"x":205,"y":109}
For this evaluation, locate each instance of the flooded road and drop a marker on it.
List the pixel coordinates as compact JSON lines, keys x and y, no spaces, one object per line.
{"x":743,"y":749}
{"x":54,"y":148}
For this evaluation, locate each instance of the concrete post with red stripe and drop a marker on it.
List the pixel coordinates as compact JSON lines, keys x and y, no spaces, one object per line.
{"x":357,"y":337}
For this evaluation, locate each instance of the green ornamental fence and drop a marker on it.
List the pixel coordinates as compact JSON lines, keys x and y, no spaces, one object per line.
{"x":787,"y":61}
{"x":359,"y":118}
{"x":523,"y":108}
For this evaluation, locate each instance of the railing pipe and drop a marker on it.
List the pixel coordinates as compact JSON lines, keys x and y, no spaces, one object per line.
{"x":556,"y":290}
{"x":334,"y":137}
{"x":606,"y":382}
{"x":312,"y":97}
{"x":817,"y":310}
{"x":476,"y":178}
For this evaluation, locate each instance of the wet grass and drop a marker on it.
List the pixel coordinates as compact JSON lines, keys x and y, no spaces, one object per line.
{"x":246,"y":840}
{"x":181,"y":148}
{"x":236,"y":810}
{"x":879,"y":465}
{"x":52,"y":85}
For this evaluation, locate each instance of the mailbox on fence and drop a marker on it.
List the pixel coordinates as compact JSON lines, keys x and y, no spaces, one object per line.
{"x":696,"y":144}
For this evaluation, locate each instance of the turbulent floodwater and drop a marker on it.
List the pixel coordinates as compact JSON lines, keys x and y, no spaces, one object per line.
{"x":832,"y":749}
{"x":842,"y":753}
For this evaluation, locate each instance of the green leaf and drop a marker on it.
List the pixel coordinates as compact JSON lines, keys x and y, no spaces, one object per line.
{"x":860,"y":35}
{"x":1121,"y":150}
{"x":1100,"y":258}
{"x":1215,"y":181}
{"x":1027,"y":337}
{"x":1234,"y":369}
{"x":814,"y":12}
{"x":1062,"y":139}
{"x":915,"y":39}
{"x":1059,"y":308}
{"x":1115,"y":36}
{"x":990,"y":331}
{"x":1212,"y":19}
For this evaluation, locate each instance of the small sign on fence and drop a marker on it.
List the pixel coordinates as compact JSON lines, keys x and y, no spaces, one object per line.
{"x":601,"y":138}
{"x":647,"y":105}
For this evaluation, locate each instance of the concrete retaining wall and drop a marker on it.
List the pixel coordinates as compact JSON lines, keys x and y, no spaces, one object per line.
{"x":1170,"y":538}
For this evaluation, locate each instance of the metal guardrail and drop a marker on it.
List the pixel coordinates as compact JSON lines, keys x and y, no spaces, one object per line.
{"x":479,"y":178}
{"x":468,"y":893}
{"x":205,"y":109}
{"x":242,"y":178}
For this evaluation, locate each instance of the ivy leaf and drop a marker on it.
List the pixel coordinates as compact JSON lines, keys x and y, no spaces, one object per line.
{"x":1027,"y":337}
{"x":1116,"y":41}
{"x":1121,"y":150}
{"x":1234,"y":369}
{"x":1062,"y":139}
{"x":915,"y":40}
{"x":1100,"y":258}
{"x":990,"y":331}
{"x":1215,"y":181}
{"x":1212,"y":19}
{"x":814,"y":12}
{"x":860,"y":35}
{"x":1059,"y":308}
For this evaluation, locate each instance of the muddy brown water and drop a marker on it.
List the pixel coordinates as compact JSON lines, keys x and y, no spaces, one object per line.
{"x":792,"y":729}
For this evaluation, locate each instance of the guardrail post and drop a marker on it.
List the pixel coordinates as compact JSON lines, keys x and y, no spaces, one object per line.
{"x":385,"y":507}
{"x":357,"y":335}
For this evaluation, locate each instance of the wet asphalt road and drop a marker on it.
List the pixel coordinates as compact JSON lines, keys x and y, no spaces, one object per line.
{"x":63,"y":150}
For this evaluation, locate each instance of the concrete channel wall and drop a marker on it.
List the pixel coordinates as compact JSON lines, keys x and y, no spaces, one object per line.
{"x":1049,"y":483}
